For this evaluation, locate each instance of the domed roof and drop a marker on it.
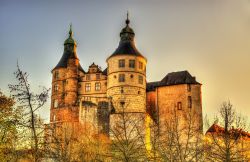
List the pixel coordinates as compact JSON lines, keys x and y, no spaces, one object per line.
{"x":127,"y":44}
{"x":69,"y":52}
{"x":70,"y":39}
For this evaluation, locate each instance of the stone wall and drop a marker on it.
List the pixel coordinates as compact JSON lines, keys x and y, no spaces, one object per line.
{"x":131,"y":91}
{"x":175,"y":98}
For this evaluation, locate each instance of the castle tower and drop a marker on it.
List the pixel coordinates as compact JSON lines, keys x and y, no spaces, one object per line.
{"x":126,"y":86}
{"x":65,"y":84}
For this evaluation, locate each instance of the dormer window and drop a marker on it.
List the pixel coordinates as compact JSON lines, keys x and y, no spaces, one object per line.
{"x":121,"y":63}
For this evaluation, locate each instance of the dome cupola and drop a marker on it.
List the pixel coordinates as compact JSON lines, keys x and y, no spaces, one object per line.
{"x":127,"y":43}
{"x":70,"y":39}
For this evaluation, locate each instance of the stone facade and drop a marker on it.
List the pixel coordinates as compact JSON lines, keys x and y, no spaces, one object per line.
{"x":131,"y":90}
{"x":95,"y":97}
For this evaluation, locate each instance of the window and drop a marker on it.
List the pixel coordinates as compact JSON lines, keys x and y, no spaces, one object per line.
{"x":132,"y":63}
{"x":131,"y":76}
{"x":121,"y":77}
{"x":122,"y":63}
{"x":56,"y":74}
{"x":87,"y":77}
{"x":179,"y":106}
{"x":189,"y":87}
{"x":55,"y":104}
{"x":56,"y":88}
{"x":140,"y":79}
{"x":122,"y":91}
{"x":88,"y":87}
{"x":140,"y":65}
{"x":98,"y":86}
{"x":98,"y":76}
{"x":189,"y":102}
{"x":64,"y":83}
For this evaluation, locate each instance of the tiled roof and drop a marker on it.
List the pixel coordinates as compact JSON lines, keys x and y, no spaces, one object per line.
{"x":174,"y":78}
{"x":64,"y":60}
{"x":126,"y":48}
{"x":105,"y":71}
{"x":220,"y":130}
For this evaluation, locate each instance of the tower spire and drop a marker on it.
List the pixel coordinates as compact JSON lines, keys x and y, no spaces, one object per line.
{"x":70,"y":30}
{"x":127,"y":20}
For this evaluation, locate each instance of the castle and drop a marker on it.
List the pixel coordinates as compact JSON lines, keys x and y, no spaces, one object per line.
{"x":95,"y":96}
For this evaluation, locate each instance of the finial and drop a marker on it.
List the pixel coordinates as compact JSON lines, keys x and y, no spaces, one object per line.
{"x":127,"y":21}
{"x":70,"y":30}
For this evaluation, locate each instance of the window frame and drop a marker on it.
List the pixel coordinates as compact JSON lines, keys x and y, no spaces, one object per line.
{"x":56,"y":76}
{"x":98,"y":76}
{"x":189,"y":102}
{"x":140,"y":65}
{"x":140,"y":79}
{"x":189,"y":88}
{"x":121,"y":63}
{"x":88,"y":77}
{"x":97,"y":88}
{"x":121,"y":78}
{"x":131,"y":63}
{"x":56,"y":88}
{"x":179,"y":106}
{"x":55,"y":103}
{"x":87,"y":87}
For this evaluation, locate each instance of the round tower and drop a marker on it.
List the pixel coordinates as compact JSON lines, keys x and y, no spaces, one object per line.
{"x":127,"y":74}
{"x":65,"y":81}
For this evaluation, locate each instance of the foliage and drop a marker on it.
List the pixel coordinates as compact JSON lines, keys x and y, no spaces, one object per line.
{"x":30,"y":103}
{"x":9,"y":119}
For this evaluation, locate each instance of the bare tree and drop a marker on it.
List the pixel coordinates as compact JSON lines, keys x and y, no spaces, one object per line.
{"x":177,"y":138}
{"x":30,"y":102}
{"x":128,"y":135}
{"x":227,"y":143}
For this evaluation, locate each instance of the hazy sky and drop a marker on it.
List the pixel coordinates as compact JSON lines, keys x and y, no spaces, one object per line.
{"x":209,"y":38}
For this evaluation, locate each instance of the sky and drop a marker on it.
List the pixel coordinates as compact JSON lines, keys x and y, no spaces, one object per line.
{"x":209,"y":38}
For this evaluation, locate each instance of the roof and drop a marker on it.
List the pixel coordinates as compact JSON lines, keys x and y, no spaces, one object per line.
{"x":127,"y":45}
{"x":174,"y":78}
{"x":68,"y":52}
{"x":180,"y":77}
{"x":220,"y":130}
{"x":152,"y":85}
{"x":126,"y":48}
{"x":64,"y":60}
{"x":105,"y":71}
{"x":215,"y":128}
